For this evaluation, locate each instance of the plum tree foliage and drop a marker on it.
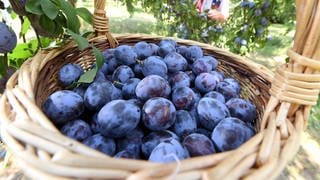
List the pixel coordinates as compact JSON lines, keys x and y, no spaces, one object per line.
{"x":245,"y":30}
{"x":53,"y":21}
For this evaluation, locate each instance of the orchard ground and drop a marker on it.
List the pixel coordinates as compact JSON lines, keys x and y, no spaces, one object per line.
{"x":306,"y":164}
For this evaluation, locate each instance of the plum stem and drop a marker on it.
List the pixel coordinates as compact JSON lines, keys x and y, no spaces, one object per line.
{"x":39,"y":40}
{"x":139,"y":61}
{"x":118,"y":83}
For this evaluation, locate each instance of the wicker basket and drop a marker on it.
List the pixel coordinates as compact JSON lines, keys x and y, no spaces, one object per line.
{"x":283,"y":107}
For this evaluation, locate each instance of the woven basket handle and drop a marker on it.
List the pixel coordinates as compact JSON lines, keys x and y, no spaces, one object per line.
{"x":101,"y":22}
{"x":296,"y":85}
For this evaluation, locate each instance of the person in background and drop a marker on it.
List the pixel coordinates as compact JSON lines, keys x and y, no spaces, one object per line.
{"x":217,"y":9}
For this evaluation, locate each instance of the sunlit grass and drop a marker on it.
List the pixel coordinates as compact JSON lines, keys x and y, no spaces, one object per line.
{"x":314,"y":122}
{"x":280,"y":42}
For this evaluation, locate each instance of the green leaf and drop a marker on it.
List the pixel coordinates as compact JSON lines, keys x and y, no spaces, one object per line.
{"x":86,"y":33}
{"x":81,"y":41}
{"x":70,"y":12}
{"x":88,"y":76}
{"x":47,"y":24}
{"x":61,"y":19}
{"x":21,"y":51}
{"x":85,"y":14}
{"x":34,"y":7}
{"x":25,"y":26}
{"x":99,"y":57}
{"x":13,"y":15}
{"x":49,"y":9}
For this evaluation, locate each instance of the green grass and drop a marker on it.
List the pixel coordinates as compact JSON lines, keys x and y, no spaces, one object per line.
{"x":281,"y":40}
{"x":273,"y":53}
{"x":314,"y":122}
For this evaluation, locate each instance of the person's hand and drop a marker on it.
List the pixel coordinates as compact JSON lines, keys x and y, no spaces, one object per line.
{"x":216,"y":15}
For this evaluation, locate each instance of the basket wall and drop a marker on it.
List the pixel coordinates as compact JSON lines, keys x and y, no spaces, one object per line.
{"x":23,"y":135}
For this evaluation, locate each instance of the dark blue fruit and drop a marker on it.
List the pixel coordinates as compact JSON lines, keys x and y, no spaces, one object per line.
{"x":195,"y":52}
{"x":118,"y":118}
{"x":125,"y":55}
{"x":175,"y":62}
{"x":101,"y":143}
{"x":129,"y":88}
{"x":215,"y":95}
{"x":180,"y":79}
{"x":69,"y":74}
{"x":122,"y":74}
{"x":184,"y":124}
{"x":137,"y":69}
{"x":242,"y":109}
{"x":218,"y":75}
{"x":191,"y":76}
{"x":136,"y":102}
{"x":213,"y":61}
{"x":211,"y":112}
{"x":234,"y":83}
{"x":143,"y":50}
{"x":168,"y":151}
{"x":231,"y":133}
{"x":63,"y":106}
{"x":98,"y":94}
{"x":8,"y":39}
{"x":183,"y":97}
{"x":77,"y":130}
{"x":80,"y":90}
{"x":168,"y":41}
{"x":131,"y":142}
{"x":166,"y":47}
{"x":197,"y":96}
{"x":94,"y":123}
{"x":150,"y":141}
{"x":100,"y":77}
{"x":204,"y":132}
{"x":155,"y":49}
{"x":201,"y":65}
{"x":154,"y":65}
{"x":116,"y":93}
{"x":194,"y":114}
{"x":184,"y":51}
{"x":205,"y":82}
{"x":152,"y":86}
{"x":104,"y":69}
{"x":264,"y":21}
{"x":158,"y":114}
{"x":198,"y":145}
{"x":108,"y":54}
{"x":112,"y":64}
{"x":227,"y":90}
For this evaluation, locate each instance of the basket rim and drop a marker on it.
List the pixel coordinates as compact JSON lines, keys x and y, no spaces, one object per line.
{"x":259,"y":69}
